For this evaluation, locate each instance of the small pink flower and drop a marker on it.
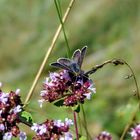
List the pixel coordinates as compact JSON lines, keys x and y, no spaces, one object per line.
{"x":52,"y":129}
{"x":10,"y":106}
{"x":135,"y":132}
{"x":104,"y":136}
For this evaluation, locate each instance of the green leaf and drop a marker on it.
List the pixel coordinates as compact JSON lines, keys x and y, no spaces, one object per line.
{"x":76,"y":108}
{"x":82,"y":138}
{"x":59,"y":103}
{"x":27,"y":116}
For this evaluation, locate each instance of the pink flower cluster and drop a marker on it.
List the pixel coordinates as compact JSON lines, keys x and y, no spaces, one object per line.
{"x":135,"y":132}
{"x":104,"y":136}
{"x":64,"y":85}
{"x":10,"y":106}
{"x":53,"y":130}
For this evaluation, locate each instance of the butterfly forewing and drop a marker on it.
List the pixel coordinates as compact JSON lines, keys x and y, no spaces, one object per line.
{"x":83,"y":52}
{"x":77,"y":56}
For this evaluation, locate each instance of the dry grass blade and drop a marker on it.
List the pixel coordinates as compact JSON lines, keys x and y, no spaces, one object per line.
{"x":30,"y":93}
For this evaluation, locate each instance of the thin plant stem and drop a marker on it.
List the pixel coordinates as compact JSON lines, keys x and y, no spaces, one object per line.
{"x":85,"y":123}
{"x":116,"y":62}
{"x":75,"y":124}
{"x":135,"y":81}
{"x":58,"y":8}
{"x":59,"y":11}
{"x":30,"y":93}
{"x":127,"y":127}
{"x":80,"y":123}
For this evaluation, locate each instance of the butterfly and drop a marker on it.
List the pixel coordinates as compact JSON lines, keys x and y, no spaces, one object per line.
{"x":74,"y":64}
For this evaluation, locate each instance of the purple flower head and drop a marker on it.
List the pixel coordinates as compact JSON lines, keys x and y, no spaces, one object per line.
{"x":10,"y":106}
{"x":104,"y":136}
{"x":80,"y":92}
{"x":54,"y":86}
{"x":52,"y":129}
{"x":135,"y":132}
{"x":71,"y":84}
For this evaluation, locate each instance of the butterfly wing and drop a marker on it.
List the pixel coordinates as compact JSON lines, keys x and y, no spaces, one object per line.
{"x":77,"y":56}
{"x":58,"y":65}
{"x":83,"y":52}
{"x":64,"y":61}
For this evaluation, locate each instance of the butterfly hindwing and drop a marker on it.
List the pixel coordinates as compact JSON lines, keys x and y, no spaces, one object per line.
{"x":64,"y":61}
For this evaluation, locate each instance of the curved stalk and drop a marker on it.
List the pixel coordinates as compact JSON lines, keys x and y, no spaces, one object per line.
{"x":121,"y":62}
{"x":138,"y":106}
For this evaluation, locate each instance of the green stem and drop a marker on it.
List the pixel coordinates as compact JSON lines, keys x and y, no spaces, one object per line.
{"x":80,"y":123}
{"x":59,"y":12}
{"x":60,"y":9}
{"x":85,"y":123}
{"x":135,"y":81}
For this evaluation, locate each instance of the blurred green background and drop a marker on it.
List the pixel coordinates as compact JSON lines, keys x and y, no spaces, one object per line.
{"x":110,"y":29}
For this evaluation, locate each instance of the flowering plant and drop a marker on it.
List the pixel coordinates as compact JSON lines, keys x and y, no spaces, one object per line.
{"x":70,"y":87}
